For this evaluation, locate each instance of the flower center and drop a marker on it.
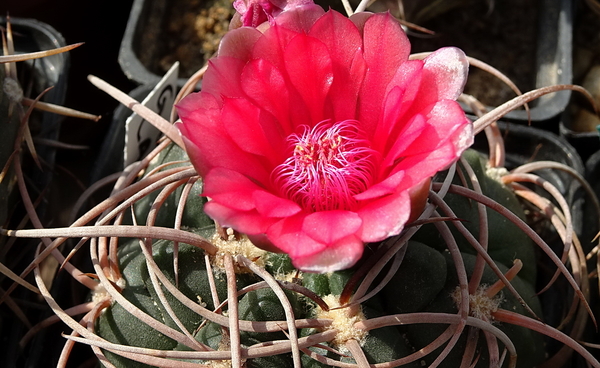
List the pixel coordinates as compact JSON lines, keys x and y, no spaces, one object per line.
{"x":329,"y":165}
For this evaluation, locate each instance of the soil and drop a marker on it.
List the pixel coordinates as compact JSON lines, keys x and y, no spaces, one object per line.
{"x":193,"y":33}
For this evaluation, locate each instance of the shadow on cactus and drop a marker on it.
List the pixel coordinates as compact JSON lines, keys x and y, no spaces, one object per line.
{"x":457,"y":286}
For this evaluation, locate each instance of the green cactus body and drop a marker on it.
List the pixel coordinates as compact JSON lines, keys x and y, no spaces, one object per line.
{"x":424,"y":282}
{"x":529,"y":344}
{"x":506,"y":241}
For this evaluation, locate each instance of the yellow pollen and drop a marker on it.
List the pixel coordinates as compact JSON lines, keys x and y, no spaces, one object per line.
{"x":343,"y":321}
{"x":233,"y":246}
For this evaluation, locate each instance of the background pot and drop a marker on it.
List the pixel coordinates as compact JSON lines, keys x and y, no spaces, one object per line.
{"x":528,"y":40}
{"x":30,"y":35}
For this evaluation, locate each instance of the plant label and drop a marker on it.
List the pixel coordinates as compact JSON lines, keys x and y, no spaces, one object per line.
{"x":140,"y":135}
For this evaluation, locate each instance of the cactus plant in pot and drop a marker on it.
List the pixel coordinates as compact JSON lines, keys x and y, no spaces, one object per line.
{"x":337,"y":220}
{"x":33,"y":78}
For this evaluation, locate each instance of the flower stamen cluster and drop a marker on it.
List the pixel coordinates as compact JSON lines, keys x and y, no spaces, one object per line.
{"x":330,"y":164}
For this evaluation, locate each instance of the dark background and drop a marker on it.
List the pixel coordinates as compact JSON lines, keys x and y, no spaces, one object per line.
{"x":100,"y":24}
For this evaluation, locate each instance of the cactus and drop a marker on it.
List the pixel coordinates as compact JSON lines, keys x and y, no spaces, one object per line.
{"x":175,"y":289}
{"x":457,"y":287}
{"x":423,"y":283}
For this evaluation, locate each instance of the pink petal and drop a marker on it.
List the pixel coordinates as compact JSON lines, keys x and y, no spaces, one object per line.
{"x":445,"y":72}
{"x":359,"y":19}
{"x":329,"y":227}
{"x":287,"y":235}
{"x":244,"y":126}
{"x":340,"y":35}
{"x":271,"y":45}
{"x":264,"y":84}
{"x":214,"y":148}
{"x":197,"y":111}
{"x":385,"y":217}
{"x":341,"y":255}
{"x":230,"y":188}
{"x":387,"y":186}
{"x":238,"y":43}
{"x":301,"y":18}
{"x":222,"y":78}
{"x":412,"y":130}
{"x":443,"y":121}
{"x":308,"y":66}
{"x":401,"y":92}
{"x":444,"y":76}
{"x":189,"y":107}
{"x":425,"y":165}
{"x":310,"y":255}
{"x":344,"y":42}
{"x":386,"y":47}
{"x":247,"y":222}
{"x":270,"y":205}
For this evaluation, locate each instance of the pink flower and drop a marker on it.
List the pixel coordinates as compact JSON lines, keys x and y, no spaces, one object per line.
{"x":316,"y":134}
{"x":253,"y":13}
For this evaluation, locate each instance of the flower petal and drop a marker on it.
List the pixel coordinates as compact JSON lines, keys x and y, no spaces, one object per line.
{"x":341,"y":255}
{"x":307,"y":254}
{"x":344,"y":43}
{"x":310,"y":74}
{"x":401,"y":92}
{"x":271,"y":205}
{"x":264,"y":84}
{"x":222,"y":78}
{"x":445,"y":120}
{"x":385,"y":187}
{"x":386,"y":47}
{"x":445,"y":73}
{"x":209,"y":145}
{"x":385,"y":216}
{"x":300,"y":18}
{"x":247,"y":222}
{"x":328,"y":227}
{"x":238,"y":43}
{"x":444,"y":76}
{"x":412,"y":130}
{"x":246,"y":129}
{"x":230,"y":188}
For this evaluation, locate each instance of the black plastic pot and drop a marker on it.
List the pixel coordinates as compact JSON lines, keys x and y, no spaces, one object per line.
{"x":527,"y":144}
{"x":143,"y":40}
{"x":29,"y":36}
{"x":577,"y":123}
{"x":586,"y":142}
{"x":592,"y":174}
{"x":533,"y":49}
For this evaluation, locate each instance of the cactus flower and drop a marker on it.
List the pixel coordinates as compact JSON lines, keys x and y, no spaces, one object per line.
{"x":315,"y":134}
